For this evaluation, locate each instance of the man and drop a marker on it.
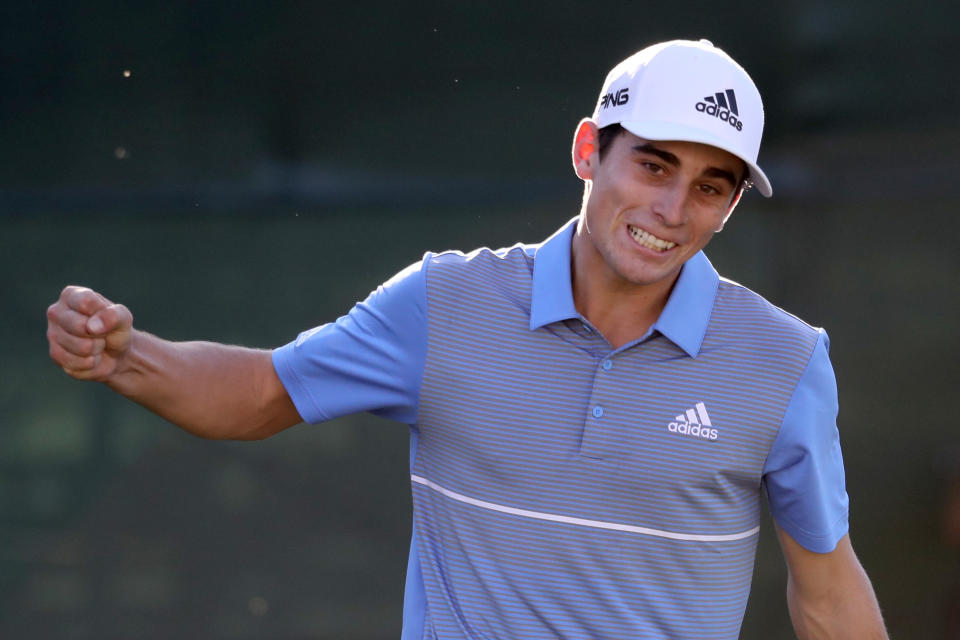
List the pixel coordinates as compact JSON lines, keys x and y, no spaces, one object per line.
{"x":592,"y":418}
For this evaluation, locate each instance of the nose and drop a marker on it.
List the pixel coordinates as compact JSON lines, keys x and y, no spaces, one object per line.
{"x":670,"y":205}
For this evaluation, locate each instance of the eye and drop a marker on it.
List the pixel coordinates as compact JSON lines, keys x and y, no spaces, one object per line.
{"x":654,"y":168}
{"x":709,"y":190}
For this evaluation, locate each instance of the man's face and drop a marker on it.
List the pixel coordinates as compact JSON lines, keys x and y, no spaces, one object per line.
{"x":650,"y":206}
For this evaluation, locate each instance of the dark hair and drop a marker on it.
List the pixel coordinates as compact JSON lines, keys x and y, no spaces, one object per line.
{"x":609,"y":133}
{"x":605,"y":137}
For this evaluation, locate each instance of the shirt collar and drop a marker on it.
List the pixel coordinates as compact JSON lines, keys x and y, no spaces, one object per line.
{"x":552,"y":296}
{"x":683,"y":320}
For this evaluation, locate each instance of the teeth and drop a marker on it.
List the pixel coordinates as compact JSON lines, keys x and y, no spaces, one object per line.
{"x":649,"y":240}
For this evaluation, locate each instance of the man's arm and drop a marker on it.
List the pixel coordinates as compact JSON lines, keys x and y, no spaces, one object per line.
{"x":829,"y":594}
{"x":211,"y":390}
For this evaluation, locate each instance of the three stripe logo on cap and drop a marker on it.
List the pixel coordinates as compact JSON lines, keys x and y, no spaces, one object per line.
{"x":725,"y":100}
{"x":723,"y":106}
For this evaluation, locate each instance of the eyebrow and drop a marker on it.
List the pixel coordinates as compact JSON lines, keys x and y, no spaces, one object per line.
{"x":669,"y":158}
{"x":666,"y":156}
{"x":723,"y":174}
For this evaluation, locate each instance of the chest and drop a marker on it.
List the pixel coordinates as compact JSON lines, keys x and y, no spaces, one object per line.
{"x":538,"y":417}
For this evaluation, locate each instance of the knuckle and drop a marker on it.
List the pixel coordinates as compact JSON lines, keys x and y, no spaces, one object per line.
{"x":57,"y":354}
{"x":84,"y":374}
{"x":124,"y":314}
{"x":116,"y":315}
{"x":63,"y":323}
{"x":73,"y":373}
{"x":83,"y":299}
{"x":77,"y":324}
{"x":84,"y":348}
{"x":54,"y":336}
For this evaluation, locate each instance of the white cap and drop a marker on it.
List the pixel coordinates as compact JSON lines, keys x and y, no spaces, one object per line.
{"x":687,"y":90}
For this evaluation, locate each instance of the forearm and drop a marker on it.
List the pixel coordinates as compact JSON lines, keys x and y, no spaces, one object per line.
{"x":842,"y":607}
{"x":211,"y":390}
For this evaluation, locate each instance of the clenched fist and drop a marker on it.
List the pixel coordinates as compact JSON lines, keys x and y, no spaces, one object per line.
{"x":88,"y":334}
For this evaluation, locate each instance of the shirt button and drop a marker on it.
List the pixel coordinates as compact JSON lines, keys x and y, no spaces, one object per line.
{"x":586,"y":327}
{"x":607,"y":364}
{"x":597,"y":412}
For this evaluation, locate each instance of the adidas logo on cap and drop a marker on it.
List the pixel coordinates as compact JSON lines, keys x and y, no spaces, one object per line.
{"x":723,"y":105}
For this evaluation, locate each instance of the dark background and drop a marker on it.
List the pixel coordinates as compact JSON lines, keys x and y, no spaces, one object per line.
{"x":264,"y":165}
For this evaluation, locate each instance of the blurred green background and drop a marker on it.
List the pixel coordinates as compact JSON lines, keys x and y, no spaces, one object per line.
{"x":264,"y":165}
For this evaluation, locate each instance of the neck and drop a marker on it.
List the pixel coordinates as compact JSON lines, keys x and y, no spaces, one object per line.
{"x":621,"y":310}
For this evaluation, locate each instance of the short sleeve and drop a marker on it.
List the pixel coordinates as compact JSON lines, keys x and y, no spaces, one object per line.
{"x":803,"y":474}
{"x":371,"y":359}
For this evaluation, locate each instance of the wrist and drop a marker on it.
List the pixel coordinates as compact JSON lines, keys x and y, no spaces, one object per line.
{"x":129,"y":364}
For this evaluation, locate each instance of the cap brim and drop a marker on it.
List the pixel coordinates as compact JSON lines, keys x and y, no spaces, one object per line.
{"x":672,"y":131}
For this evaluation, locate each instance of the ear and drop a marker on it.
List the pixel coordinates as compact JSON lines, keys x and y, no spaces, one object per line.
{"x":733,"y":203}
{"x":585,"y":153}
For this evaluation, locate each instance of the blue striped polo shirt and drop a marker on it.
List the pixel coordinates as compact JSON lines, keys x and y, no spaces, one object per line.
{"x":566,"y":489}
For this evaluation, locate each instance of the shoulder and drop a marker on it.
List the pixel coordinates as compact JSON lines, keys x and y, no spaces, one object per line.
{"x":482,"y":279}
{"x":742,"y":311}
{"x":491,"y":265}
{"x":482,"y":258}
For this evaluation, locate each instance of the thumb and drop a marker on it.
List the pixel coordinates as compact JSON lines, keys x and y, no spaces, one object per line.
{"x":109,"y":319}
{"x":95,"y":325}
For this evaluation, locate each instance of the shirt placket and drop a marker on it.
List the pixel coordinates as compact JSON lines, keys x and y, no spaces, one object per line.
{"x":601,"y":409}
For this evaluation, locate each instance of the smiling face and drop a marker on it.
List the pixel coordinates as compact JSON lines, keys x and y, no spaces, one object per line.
{"x":649,"y":206}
